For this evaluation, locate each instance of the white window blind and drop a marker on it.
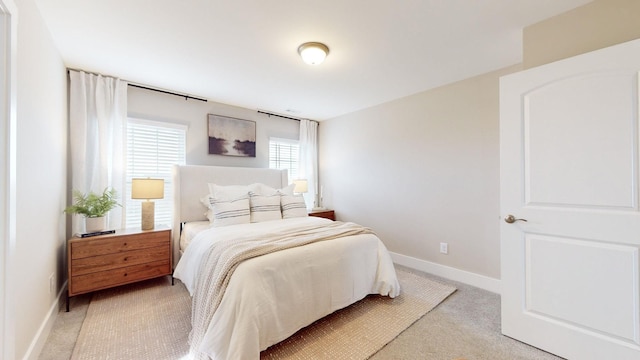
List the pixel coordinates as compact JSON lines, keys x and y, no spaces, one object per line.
{"x":284,"y":154}
{"x":152,"y":149}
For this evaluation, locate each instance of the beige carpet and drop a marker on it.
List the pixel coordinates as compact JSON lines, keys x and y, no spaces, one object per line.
{"x":151,"y":320}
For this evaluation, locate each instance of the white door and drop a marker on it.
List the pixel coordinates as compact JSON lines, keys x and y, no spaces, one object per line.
{"x":569,"y":161}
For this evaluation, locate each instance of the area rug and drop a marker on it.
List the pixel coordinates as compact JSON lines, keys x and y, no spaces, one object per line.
{"x":151,"y":320}
{"x":145,"y":320}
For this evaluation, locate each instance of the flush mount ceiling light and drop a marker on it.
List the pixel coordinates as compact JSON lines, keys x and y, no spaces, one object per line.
{"x":313,"y":53}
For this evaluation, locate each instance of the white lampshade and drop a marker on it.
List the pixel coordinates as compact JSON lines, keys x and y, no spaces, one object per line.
{"x":301,"y":186}
{"x":145,"y":188}
{"x":313,"y":53}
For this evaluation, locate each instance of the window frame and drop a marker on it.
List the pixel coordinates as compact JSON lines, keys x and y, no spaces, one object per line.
{"x":132,"y":208}
{"x":291,"y":173}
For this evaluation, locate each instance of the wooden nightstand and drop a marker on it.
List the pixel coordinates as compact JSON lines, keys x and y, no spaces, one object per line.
{"x":327,"y":214}
{"x":127,"y":256}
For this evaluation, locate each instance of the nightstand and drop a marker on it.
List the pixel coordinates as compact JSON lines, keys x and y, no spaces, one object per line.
{"x":127,"y":256}
{"x":325,"y":213}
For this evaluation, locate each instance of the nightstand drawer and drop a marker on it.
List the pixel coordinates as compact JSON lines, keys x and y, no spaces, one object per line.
{"x":122,"y":259}
{"x":115,"y":244}
{"x":106,"y":279}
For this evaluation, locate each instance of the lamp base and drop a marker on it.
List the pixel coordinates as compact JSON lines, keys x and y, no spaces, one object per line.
{"x":148,"y":215}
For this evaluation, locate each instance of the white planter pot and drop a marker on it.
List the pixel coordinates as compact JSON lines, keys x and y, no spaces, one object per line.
{"x":93,"y":224}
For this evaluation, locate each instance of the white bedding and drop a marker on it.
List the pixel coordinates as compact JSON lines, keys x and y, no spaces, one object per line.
{"x":190,"y":230}
{"x":271,"y":297}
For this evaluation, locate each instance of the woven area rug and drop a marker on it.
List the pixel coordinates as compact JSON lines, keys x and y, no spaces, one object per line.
{"x":151,"y":320}
{"x":145,"y":320}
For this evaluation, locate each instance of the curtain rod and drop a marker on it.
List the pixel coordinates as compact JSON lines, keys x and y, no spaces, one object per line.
{"x":185,"y":96}
{"x":282,"y":116}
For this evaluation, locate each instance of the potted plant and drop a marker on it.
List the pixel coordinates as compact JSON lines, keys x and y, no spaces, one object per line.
{"x":94,"y":207}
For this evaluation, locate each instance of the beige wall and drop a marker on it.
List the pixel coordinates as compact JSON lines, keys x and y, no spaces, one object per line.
{"x":41,"y":161}
{"x":593,"y":26}
{"x":152,"y":105}
{"x":422,"y":170}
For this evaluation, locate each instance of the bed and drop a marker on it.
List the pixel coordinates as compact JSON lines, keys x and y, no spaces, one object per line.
{"x":273,"y":277}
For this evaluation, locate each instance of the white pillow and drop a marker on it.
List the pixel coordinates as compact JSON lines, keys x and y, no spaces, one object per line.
{"x":230,"y":212}
{"x":208,"y":201}
{"x":229,"y":192}
{"x":287,"y":190}
{"x":222,"y":193}
{"x":266,"y":190}
{"x":293,"y":206}
{"x":209,"y":214}
{"x":264,"y":208}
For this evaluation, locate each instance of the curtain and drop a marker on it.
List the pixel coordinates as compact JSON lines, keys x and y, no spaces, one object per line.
{"x":308,"y":166}
{"x":97,"y":130}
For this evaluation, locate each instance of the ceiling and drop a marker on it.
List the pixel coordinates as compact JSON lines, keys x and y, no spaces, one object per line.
{"x":244,"y":52}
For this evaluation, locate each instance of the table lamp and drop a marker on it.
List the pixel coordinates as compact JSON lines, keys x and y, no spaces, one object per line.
{"x":301,"y":186}
{"x":147,"y":189}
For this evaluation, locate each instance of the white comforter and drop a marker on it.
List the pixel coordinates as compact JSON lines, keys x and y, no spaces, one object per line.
{"x":271,"y":297}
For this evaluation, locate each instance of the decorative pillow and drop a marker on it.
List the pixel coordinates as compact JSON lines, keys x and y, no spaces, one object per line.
{"x":293,"y":206}
{"x":266,"y":190}
{"x":208,"y":201}
{"x":229,"y":192}
{"x":287,"y":190}
{"x":209,"y":214}
{"x":264,"y":208}
{"x":260,"y":189}
{"x":230,"y":212}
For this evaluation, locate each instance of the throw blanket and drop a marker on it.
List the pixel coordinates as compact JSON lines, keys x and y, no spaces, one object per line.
{"x":222,"y":258}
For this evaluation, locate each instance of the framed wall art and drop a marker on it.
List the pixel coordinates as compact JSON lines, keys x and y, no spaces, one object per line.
{"x":232,"y":137}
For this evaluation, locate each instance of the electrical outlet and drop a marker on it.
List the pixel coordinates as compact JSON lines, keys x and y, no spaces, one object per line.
{"x":52,"y":283}
{"x":444,"y":248}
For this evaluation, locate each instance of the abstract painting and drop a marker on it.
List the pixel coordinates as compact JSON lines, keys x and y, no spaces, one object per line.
{"x":231,"y":136}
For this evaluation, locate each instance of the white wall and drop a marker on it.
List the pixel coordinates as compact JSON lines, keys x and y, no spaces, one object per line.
{"x":8,"y":74}
{"x":422,"y":170}
{"x":41,"y":179}
{"x":152,"y":105}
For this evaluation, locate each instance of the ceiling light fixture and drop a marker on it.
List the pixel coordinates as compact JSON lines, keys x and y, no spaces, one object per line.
{"x":313,"y":53}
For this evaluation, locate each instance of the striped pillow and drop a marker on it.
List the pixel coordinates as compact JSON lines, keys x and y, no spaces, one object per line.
{"x":293,"y":206}
{"x":230,"y":212}
{"x":264,"y":208}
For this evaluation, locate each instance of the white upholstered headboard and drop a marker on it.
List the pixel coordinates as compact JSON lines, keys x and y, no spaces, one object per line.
{"x":190,"y":185}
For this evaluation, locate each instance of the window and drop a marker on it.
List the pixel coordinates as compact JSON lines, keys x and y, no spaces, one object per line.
{"x":283,"y":154}
{"x":152,"y":150}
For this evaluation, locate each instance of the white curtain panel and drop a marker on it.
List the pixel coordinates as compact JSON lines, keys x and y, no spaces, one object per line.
{"x":308,"y":166}
{"x":97,"y":129}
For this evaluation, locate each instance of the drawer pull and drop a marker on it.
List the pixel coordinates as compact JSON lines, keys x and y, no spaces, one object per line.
{"x":125,"y":244}
{"x":125,"y":259}
{"x":125,"y":274}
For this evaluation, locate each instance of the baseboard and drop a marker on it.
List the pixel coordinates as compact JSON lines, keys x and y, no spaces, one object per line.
{"x":466,"y":277}
{"x":37,"y":344}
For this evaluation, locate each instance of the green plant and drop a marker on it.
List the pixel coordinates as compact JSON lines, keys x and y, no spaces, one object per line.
{"x":92,"y":204}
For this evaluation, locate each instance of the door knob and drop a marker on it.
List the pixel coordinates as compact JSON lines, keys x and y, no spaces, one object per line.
{"x":511,"y":219}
